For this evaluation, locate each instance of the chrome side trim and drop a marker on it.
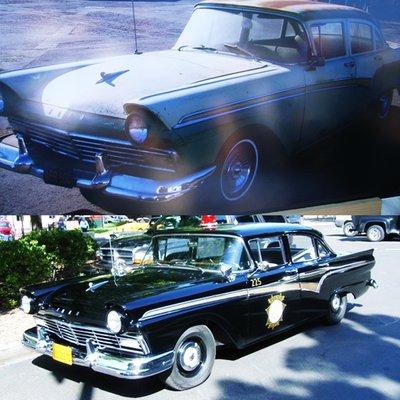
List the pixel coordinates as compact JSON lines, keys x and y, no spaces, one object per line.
{"x":237,"y":294}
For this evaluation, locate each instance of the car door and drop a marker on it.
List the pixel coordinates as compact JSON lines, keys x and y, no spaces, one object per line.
{"x":366,"y":46}
{"x":311,"y":257}
{"x":273,"y":301}
{"x":330,"y":96}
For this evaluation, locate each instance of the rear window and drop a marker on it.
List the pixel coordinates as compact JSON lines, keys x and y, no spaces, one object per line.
{"x":361,"y":38}
{"x":329,"y":39}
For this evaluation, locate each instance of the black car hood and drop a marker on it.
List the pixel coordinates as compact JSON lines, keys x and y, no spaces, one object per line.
{"x":89,"y":299}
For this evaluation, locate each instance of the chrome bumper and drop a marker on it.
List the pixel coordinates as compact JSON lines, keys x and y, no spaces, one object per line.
{"x":116,"y":185}
{"x":122,"y":367}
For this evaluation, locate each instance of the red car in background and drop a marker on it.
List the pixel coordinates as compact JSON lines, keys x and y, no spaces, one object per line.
{"x":5,"y":229}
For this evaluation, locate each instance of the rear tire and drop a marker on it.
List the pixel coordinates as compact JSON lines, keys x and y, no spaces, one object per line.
{"x":194,"y":359}
{"x":336,"y":309}
{"x":348,"y":229}
{"x":376,"y":233}
{"x":384,"y":103}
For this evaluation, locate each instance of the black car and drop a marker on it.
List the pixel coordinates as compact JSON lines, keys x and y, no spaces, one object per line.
{"x":199,"y":288}
{"x":376,"y":227}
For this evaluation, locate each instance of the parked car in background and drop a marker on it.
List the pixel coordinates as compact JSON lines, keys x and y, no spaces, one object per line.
{"x":6,"y":229}
{"x":231,"y":103}
{"x":377,"y":228}
{"x":201,"y":288}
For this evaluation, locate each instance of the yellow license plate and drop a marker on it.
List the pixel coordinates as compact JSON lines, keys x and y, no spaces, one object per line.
{"x":62,"y":353}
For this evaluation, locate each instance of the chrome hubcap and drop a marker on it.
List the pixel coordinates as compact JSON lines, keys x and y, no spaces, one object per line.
{"x":374,"y":234}
{"x":335,"y":302}
{"x":189,"y":356}
{"x":239,"y":170}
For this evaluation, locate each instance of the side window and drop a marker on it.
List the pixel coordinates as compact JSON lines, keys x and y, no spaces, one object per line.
{"x":329,"y":39}
{"x":302,"y":248}
{"x":361,"y":38}
{"x":322,"y":250}
{"x":379,"y":41}
{"x":244,"y":218}
{"x":268,"y":249}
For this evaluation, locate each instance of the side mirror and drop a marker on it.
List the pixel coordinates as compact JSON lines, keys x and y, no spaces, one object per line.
{"x":226,"y":271}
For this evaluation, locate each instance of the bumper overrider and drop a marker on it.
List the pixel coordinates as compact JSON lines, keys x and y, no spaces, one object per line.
{"x":104,"y":179}
{"x":136,"y":367}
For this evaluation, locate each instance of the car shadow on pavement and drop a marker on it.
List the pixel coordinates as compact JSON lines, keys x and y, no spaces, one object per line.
{"x":356,"y":360}
{"x":92,"y":380}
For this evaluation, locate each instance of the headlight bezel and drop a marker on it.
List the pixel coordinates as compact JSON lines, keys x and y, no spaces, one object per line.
{"x":120,"y":323}
{"x":27,"y":304}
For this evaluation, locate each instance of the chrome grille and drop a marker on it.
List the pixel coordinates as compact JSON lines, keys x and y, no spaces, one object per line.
{"x":125,"y":254}
{"x":85,"y":147}
{"x":79,"y":334}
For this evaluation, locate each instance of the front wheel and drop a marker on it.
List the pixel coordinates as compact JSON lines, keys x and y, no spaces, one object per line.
{"x":194,"y":358}
{"x":348,"y":229}
{"x":375,"y":233}
{"x":336,"y":309}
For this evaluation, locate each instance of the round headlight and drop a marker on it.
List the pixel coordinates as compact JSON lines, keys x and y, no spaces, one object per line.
{"x":114,"y":321}
{"x":137,"y":128}
{"x":26,"y":304}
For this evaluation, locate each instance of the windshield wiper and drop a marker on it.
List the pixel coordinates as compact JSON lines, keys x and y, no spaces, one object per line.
{"x":241,"y":50}
{"x":199,"y":47}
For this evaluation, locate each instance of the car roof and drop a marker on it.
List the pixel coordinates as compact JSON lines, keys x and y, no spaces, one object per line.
{"x":303,"y":9}
{"x":247,"y":230}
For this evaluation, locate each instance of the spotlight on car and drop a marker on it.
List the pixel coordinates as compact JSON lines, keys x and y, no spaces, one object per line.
{"x":27,"y":304}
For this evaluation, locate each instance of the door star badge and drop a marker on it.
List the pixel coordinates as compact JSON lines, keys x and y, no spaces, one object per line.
{"x":275,"y":310}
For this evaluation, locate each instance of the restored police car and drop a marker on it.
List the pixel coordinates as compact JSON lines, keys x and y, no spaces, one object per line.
{"x":247,"y":84}
{"x":228,"y":285}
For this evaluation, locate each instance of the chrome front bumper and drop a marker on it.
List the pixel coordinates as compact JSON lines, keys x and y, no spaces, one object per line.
{"x":122,"y":367}
{"x":114,"y":184}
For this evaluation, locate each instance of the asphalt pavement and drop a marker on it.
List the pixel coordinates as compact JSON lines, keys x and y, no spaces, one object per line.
{"x":358,"y":359}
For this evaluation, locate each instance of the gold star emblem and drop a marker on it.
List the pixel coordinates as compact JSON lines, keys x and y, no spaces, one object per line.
{"x":275,"y":310}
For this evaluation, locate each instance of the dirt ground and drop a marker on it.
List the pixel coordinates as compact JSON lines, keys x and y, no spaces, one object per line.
{"x":42,"y":32}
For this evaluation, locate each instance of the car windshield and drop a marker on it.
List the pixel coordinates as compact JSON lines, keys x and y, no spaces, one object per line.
{"x":248,"y":34}
{"x":205,"y":252}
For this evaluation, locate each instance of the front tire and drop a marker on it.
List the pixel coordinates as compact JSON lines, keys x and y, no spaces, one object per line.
{"x":336,"y":309}
{"x":348,"y":229}
{"x":375,"y":233}
{"x":194,"y":358}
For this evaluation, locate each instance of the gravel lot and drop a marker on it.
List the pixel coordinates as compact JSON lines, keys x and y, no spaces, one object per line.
{"x":358,"y":359}
{"x":44,"y":32}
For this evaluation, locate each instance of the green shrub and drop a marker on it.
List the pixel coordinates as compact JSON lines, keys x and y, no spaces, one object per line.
{"x":69,"y":250}
{"x":22,"y":262}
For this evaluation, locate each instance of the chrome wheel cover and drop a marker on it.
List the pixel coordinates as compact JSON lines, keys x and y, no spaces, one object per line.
{"x":190,"y":356}
{"x":239,"y":170}
{"x":374,"y":234}
{"x":336,"y":302}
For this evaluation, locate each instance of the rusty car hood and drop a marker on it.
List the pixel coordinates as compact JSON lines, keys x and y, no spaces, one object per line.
{"x":103,"y":88}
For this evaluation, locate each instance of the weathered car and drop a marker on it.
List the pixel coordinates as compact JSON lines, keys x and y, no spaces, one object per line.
{"x":228,"y":285}
{"x":247,"y":84}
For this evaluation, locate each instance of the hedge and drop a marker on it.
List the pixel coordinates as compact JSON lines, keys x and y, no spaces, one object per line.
{"x":41,"y":256}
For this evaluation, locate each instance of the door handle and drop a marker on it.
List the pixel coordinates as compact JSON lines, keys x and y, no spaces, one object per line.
{"x":350,"y":64}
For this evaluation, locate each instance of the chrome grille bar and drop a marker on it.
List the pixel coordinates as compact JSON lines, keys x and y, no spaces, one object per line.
{"x":78,"y":335}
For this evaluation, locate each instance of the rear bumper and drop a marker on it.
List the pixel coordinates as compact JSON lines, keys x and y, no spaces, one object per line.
{"x":104,"y":180}
{"x":122,"y":367}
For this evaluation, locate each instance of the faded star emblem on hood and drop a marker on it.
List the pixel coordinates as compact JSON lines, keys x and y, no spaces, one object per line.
{"x":110,"y":77}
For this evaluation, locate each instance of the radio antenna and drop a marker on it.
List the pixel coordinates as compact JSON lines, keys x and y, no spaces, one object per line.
{"x":134,"y":27}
